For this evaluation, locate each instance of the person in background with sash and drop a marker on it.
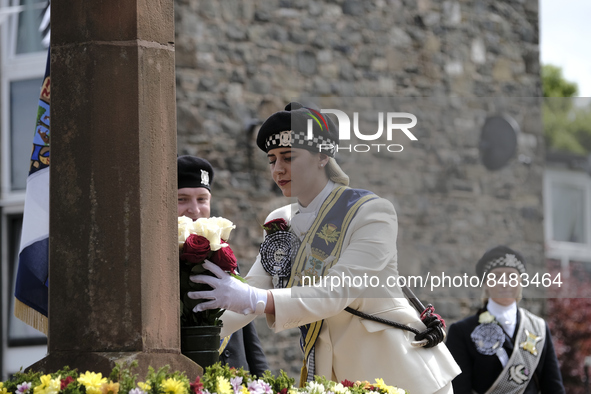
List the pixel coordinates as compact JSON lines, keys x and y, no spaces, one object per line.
{"x":195,"y":178}
{"x":503,"y":348}
{"x":332,"y":232}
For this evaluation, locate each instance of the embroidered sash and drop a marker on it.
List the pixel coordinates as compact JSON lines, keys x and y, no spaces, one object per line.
{"x":522,"y":364}
{"x":321,"y":248}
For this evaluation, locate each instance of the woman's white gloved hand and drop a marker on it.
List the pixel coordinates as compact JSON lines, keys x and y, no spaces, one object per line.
{"x":228,"y":293}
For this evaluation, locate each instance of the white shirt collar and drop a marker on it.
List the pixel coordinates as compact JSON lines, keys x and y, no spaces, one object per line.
{"x":316,"y":203}
{"x":305,"y":216}
{"x":505,"y":315}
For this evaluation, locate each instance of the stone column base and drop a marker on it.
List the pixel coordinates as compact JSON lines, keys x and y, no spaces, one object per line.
{"x":104,"y":362}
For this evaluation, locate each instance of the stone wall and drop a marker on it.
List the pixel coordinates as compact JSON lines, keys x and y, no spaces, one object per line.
{"x":238,"y":61}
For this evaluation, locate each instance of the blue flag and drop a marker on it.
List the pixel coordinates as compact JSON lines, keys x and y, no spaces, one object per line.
{"x":31,"y":290}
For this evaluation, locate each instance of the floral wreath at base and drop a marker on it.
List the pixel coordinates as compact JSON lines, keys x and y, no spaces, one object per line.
{"x":216,"y":379}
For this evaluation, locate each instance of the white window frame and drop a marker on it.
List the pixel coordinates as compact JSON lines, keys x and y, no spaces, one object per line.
{"x":13,"y":67}
{"x":560,"y":250}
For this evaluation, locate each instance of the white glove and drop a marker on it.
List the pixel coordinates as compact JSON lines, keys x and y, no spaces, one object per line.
{"x":228,"y":293}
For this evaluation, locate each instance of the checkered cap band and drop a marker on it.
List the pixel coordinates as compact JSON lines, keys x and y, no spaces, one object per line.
{"x":300,"y":140}
{"x":508,"y":260}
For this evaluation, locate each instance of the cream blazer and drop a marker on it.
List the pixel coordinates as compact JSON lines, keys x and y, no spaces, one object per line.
{"x":349,"y":347}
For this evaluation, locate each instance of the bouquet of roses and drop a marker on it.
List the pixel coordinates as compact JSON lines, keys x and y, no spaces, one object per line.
{"x":200,"y":240}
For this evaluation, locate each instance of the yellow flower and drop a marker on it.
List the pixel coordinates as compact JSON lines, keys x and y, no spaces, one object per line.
{"x":380,"y":384}
{"x":245,"y":391}
{"x":3,"y":390}
{"x":92,"y":381}
{"x":223,"y":386}
{"x":54,"y":386}
{"x":110,"y":388}
{"x":390,"y":389}
{"x":173,"y":386}
{"x":144,"y":387}
{"x":45,"y":380}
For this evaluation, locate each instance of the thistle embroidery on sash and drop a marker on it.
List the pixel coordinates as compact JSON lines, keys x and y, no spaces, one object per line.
{"x":329,"y":233}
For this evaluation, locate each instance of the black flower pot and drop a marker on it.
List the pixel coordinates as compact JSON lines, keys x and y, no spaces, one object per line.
{"x":201,"y":344}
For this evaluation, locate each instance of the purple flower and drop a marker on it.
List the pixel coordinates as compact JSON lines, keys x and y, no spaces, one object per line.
{"x":24,"y":387}
{"x":259,"y":387}
{"x":236,"y":384}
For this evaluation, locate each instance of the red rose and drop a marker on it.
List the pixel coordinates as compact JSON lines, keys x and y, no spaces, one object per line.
{"x":276,"y":225}
{"x":195,"y":249}
{"x":225,"y":259}
{"x":65,"y":382}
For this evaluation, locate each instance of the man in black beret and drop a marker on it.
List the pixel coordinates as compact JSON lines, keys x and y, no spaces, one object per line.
{"x":503,"y":348}
{"x":195,"y":177}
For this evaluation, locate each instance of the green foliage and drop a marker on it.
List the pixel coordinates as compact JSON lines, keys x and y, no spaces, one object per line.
{"x":282,"y":381}
{"x":566,"y":119}
{"x":209,"y":378}
{"x":20,"y":377}
{"x":122,"y":374}
{"x":554,"y":84}
{"x":156,"y":378}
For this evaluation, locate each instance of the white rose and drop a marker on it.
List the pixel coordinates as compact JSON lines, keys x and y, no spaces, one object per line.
{"x":185,"y":225}
{"x":198,"y":227}
{"x":485,"y":318}
{"x":340,"y":389}
{"x":210,"y":230}
{"x":315,"y":388}
{"x":225,"y":225}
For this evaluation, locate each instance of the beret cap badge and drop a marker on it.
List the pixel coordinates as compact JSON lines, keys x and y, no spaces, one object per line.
{"x":204,"y":177}
{"x":285,"y":138}
{"x":299,"y":127}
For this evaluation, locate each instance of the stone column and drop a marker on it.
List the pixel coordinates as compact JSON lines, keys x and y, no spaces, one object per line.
{"x":113,"y":252}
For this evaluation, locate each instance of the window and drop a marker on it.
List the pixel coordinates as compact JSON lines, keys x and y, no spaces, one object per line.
{"x":22,"y":65}
{"x":24,"y":100}
{"x":567,"y":202}
{"x":28,"y":37}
